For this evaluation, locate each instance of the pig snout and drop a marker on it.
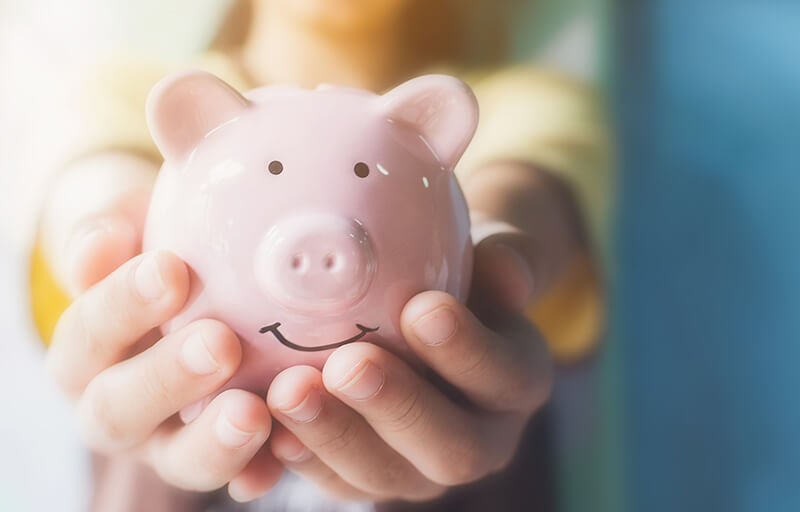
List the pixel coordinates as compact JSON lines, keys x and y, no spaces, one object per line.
{"x":315,"y":263}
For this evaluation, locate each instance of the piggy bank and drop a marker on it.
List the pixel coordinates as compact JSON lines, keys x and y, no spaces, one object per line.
{"x":309,"y":218}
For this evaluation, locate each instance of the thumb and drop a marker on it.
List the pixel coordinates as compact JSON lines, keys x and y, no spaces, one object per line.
{"x":98,"y":245}
{"x":93,"y":219}
{"x":510,"y":266}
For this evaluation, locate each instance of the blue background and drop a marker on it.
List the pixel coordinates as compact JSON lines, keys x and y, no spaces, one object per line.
{"x":708,"y":248}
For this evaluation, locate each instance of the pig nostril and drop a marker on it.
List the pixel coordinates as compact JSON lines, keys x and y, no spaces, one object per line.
{"x":318,"y":263}
{"x":298,"y":263}
{"x":330,"y":262}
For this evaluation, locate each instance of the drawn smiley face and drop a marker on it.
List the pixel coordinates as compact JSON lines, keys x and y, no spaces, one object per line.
{"x":275,"y":330}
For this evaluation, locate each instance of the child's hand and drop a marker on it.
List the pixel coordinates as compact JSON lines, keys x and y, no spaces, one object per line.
{"x":127,"y":384}
{"x":369,"y":427}
{"x":93,"y":217}
{"x":126,"y":398}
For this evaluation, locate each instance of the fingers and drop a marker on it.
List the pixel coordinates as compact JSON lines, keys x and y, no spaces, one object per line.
{"x":508,"y":269}
{"x":124,"y":404}
{"x":295,"y":456}
{"x":445,"y":442}
{"x":109,"y":190}
{"x":101,"y":326}
{"x":260,"y":475}
{"x":97,"y":248}
{"x":530,"y":211}
{"x":212,"y":450}
{"x":502,"y":372}
{"x":340,"y":437}
{"x":102,"y":242}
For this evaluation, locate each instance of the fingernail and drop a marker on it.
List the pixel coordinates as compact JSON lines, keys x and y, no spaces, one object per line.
{"x":436,"y":327}
{"x":84,"y":235}
{"x":300,"y":456}
{"x":238,"y":493}
{"x":190,"y":413}
{"x":197,"y":357}
{"x":229,"y":434}
{"x":148,"y":278}
{"x":362,"y":382}
{"x":307,"y":410}
{"x":83,"y":238}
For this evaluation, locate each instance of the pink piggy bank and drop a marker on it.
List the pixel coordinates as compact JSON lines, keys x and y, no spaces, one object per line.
{"x":309,"y":218}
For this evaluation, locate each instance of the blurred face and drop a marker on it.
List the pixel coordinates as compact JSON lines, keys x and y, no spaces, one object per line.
{"x":342,"y":15}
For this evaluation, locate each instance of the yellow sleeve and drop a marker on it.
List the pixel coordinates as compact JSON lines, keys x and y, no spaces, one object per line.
{"x":109,"y":110}
{"x":110,"y":106}
{"x":537,"y":116}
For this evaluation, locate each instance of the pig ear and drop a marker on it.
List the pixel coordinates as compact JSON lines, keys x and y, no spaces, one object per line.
{"x":184,"y":107}
{"x":442,"y":109}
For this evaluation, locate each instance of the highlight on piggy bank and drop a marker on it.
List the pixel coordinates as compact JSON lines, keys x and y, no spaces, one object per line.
{"x":309,"y":218}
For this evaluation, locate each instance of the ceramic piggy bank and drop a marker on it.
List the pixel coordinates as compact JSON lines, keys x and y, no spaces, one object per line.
{"x":309,"y":218}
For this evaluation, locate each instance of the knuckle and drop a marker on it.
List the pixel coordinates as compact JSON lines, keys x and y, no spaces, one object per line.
{"x":102,"y":427}
{"x":523,"y":376}
{"x":408,"y":412}
{"x":156,"y":384}
{"x":470,"y":467}
{"x":520,"y":391}
{"x":85,"y":319}
{"x":73,"y":349}
{"x":342,"y":437}
{"x":325,"y":477}
{"x":390,"y":477}
{"x":95,"y":309}
{"x":465,"y":462}
{"x":474,"y":359}
{"x":120,"y":301}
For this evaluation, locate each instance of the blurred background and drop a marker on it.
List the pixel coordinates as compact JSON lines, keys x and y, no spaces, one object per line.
{"x":698,"y":379}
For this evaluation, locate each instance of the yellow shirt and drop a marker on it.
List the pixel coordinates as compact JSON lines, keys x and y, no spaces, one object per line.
{"x":527,"y":114}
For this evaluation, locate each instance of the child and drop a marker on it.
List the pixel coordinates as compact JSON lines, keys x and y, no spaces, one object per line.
{"x":535,"y":173}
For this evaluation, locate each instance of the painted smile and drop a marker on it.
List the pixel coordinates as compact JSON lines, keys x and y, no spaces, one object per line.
{"x":280,"y":337}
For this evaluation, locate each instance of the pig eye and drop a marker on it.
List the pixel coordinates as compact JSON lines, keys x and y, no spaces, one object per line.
{"x":361,"y":169}
{"x":275,"y":167}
